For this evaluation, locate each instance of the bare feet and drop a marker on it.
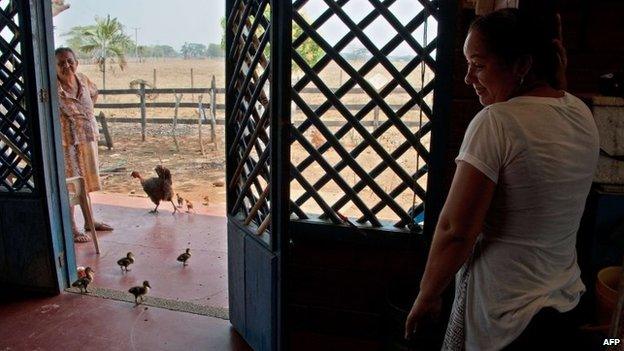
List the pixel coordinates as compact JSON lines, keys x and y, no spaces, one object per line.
{"x":81,"y":237}
{"x":100,"y":227}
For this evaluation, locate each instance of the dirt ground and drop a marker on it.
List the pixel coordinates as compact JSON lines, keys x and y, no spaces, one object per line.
{"x":195,"y":175}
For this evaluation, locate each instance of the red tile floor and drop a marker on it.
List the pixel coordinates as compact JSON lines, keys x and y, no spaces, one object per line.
{"x":76,"y":322}
{"x":156,"y":241}
{"x":79,"y":322}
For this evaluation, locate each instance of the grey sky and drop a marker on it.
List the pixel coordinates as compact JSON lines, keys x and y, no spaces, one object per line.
{"x":176,"y":22}
{"x":160,"y":21}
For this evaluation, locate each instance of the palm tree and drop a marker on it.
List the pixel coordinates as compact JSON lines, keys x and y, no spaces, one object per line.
{"x":105,"y":41}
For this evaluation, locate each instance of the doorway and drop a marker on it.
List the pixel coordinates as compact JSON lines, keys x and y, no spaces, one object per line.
{"x":160,"y":102}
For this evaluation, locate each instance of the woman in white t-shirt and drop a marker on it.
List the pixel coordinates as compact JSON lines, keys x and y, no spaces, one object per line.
{"x":507,"y":231}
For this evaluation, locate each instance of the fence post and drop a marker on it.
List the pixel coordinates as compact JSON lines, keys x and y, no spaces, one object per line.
{"x":199,"y":124}
{"x":213,"y":112}
{"x":192,"y":86}
{"x":154,"y":80}
{"x":178,"y":98}
{"x":143,"y":111}
{"x":104,"y":130}
{"x":376,"y":117}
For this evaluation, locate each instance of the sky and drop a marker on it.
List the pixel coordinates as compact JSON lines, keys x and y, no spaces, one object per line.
{"x":163,"y":22}
{"x":174,"y":22}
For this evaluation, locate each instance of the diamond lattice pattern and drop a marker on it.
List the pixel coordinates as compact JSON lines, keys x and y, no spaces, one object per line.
{"x":16,"y":173}
{"x":363,"y":77}
{"x":249,"y":121}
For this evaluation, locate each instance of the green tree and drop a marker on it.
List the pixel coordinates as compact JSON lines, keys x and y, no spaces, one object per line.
{"x":105,"y":42}
{"x":357,"y":54}
{"x":310,"y":51}
{"x":76,"y":39}
{"x":215,"y":50}
{"x":192,"y":50}
{"x":223,"y":23}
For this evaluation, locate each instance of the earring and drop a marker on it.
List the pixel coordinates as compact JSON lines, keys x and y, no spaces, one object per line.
{"x":521,"y":80}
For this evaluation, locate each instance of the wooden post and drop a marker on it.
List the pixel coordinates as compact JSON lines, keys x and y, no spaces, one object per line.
{"x":199,"y":124}
{"x":192,"y":86}
{"x":213,"y":112}
{"x":376,"y":117}
{"x":108,"y":139}
{"x":178,"y":98}
{"x":154,"y":80}
{"x":143,"y":110}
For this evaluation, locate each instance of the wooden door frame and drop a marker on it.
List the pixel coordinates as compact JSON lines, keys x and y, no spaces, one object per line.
{"x":53,"y":171}
{"x":47,"y":203}
{"x":281,"y":42}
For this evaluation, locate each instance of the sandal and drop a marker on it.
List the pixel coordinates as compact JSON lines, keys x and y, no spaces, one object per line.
{"x":81,"y":237}
{"x":100,"y":227}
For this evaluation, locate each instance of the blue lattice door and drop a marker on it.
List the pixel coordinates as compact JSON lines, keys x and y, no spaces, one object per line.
{"x":257,"y":126}
{"x":32,"y":193}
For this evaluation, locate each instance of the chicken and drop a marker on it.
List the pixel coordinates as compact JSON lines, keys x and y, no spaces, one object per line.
{"x":317,"y":138}
{"x":126,"y":261}
{"x":140,"y":291}
{"x":189,"y":206}
{"x":180,"y":200}
{"x":83,"y":282}
{"x":185,"y":257}
{"x":158,"y":188}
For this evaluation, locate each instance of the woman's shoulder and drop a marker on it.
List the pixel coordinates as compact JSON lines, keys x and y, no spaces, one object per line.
{"x":85,"y":80}
{"x":88,"y":84}
{"x":493,"y":112}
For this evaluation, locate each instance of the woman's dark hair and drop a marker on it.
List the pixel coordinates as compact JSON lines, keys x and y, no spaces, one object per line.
{"x":509,"y":34}
{"x":63,"y":50}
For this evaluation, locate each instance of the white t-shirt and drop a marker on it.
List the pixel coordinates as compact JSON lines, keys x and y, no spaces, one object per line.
{"x":542,"y":154}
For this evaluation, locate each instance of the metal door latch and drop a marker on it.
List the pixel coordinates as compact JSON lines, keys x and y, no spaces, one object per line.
{"x":44,"y":96}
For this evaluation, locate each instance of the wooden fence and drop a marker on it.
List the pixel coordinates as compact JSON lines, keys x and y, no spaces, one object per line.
{"x":142,"y":92}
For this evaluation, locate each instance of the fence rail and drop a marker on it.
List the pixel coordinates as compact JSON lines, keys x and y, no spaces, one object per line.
{"x":142,"y":92}
{"x":217,"y":90}
{"x":123,"y":105}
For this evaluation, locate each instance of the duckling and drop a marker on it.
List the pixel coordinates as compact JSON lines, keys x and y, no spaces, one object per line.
{"x":83,"y":283}
{"x":185,"y":257}
{"x":180,"y":200}
{"x":126,"y":261}
{"x":140,"y":291}
{"x":189,"y":206}
{"x":206,"y":201}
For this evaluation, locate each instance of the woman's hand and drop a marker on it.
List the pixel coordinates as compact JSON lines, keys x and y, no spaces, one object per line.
{"x":425,"y":311}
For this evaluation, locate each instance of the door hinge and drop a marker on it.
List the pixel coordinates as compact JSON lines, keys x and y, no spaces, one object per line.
{"x":61,"y":259}
{"x":44,"y":96}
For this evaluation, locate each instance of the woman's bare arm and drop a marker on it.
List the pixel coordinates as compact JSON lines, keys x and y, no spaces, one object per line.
{"x":459,"y":225}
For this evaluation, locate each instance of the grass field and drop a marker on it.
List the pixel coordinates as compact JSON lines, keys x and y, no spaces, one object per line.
{"x":194,"y":173}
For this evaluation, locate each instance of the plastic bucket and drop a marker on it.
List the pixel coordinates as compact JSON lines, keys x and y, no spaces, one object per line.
{"x":606,"y":293}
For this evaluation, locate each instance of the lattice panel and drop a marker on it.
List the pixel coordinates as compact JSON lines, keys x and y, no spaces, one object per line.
{"x":362,"y":120}
{"x":249,"y":120}
{"x":16,"y":173}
